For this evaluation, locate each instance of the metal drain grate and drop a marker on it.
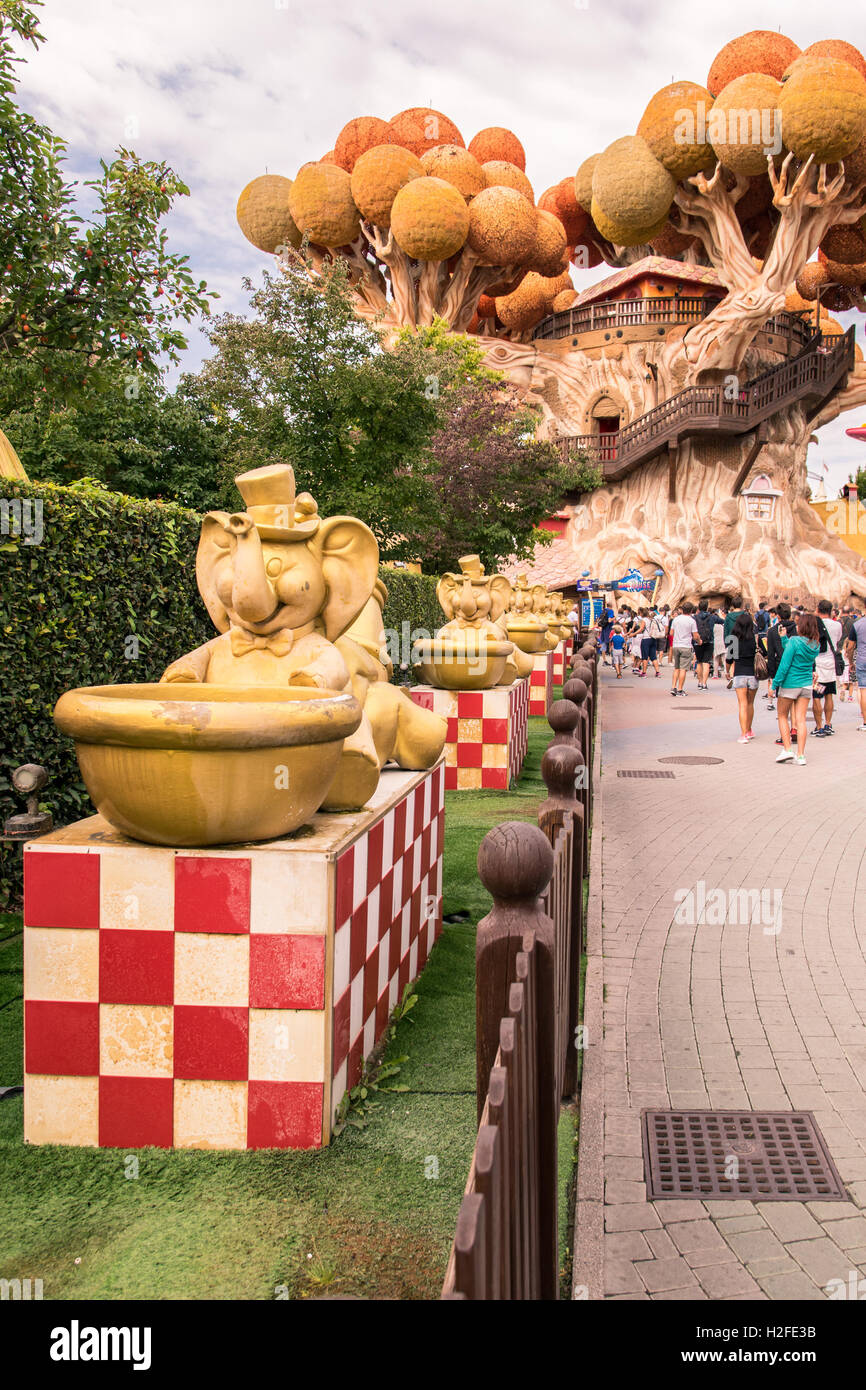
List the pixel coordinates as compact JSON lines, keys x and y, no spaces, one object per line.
{"x":689,"y":707}
{"x":692,"y":761}
{"x":643,"y":772}
{"x":759,"y":1155}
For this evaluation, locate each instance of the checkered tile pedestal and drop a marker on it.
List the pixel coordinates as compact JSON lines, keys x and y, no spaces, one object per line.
{"x":541,"y":684}
{"x":221,"y":999}
{"x":487,"y":733}
{"x":560,"y":662}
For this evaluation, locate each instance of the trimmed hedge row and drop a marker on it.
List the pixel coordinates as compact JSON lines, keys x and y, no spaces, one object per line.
{"x":105,"y":594}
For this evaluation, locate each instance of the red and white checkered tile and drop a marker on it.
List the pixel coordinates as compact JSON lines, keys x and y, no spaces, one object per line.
{"x":487,"y":733}
{"x":541,"y":684}
{"x":185,"y":999}
{"x":560,"y":662}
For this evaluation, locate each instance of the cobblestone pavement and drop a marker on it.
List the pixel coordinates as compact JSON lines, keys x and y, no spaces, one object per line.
{"x":733,"y":1016}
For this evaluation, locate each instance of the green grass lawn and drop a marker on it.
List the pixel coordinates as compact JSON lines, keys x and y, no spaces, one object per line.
{"x":360,"y":1217}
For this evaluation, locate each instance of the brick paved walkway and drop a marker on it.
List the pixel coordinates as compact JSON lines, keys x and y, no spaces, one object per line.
{"x":724,"y":1017}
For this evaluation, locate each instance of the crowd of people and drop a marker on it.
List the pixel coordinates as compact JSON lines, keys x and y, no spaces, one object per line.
{"x":802,"y":657}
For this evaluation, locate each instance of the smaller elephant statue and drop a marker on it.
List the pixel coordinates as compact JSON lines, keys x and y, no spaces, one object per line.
{"x":478,"y":601}
{"x":283,"y":586}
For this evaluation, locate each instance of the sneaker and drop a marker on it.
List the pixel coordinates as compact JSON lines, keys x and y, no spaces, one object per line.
{"x":673,"y":692}
{"x":778,"y":740}
{"x":744,"y":738}
{"x":828,"y":729}
{"x":786,"y":756}
{"x":861,"y":728}
{"x":801,"y":760}
{"x":817,"y":733}
{"x":750,"y":736}
{"x":770,"y":705}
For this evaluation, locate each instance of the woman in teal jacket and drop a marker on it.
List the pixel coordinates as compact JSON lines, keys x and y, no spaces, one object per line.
{"x":793,"y":684}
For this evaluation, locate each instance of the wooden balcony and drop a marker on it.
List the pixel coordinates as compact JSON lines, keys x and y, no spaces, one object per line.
{"x":658,"y":313}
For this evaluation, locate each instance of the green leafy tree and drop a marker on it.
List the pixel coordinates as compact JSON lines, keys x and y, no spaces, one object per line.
{"x":79,"y":291}
{"x":304,"y":381}
{"x":130,"y":435}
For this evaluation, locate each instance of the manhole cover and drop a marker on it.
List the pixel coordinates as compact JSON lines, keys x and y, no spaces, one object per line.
{"x":643,"y":772}
{"x":760,"y":1155}
{"x":688,"y":761}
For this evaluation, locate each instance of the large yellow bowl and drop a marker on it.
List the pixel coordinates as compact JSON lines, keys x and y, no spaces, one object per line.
{"x":528,"y":637}
{"x":188,"y":764}
{"x":465,"y":665}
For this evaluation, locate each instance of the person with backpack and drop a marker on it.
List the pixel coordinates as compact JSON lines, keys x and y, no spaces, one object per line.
{"x":827,"y":669}
{"x":855,"y":650}
{"x":733,"y":609}
{"x":793,"y":685}
{"x":654,"y":638}
{"x":776,"y":638}
{"x":762,"y":618}
{"x":704,"y":646}
{"x":684,"y":632}
{"x":743,"y":646}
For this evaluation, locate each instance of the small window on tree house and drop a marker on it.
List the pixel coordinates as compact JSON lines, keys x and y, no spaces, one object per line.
{"x":760,"y":499}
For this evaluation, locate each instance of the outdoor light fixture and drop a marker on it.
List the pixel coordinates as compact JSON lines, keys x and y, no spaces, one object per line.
{"x":29,"y":780}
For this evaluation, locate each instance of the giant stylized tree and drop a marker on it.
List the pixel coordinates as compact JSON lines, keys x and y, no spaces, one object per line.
{"x":752,"y":174}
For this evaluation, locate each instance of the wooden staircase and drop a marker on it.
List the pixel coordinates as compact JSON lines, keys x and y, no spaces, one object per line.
{"x":812,"y":377}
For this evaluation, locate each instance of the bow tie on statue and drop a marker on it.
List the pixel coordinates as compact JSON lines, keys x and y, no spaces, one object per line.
{"x":279,"y":643}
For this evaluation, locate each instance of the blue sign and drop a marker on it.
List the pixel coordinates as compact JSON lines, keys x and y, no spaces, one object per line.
{"x":586,"y":612}
{"x":633,"y":582}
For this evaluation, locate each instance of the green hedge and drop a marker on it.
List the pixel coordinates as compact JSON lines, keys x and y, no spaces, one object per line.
{"x":411,"y":608}
{"x":107,"y":568}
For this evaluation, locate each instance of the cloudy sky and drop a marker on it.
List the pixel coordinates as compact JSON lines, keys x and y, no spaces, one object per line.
{"x":228,"y":89}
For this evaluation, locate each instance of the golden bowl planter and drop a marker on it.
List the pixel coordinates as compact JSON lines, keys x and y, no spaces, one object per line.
{"x":528,"y":637}
{"x":476,"y":662}
{"x":188,"y":764}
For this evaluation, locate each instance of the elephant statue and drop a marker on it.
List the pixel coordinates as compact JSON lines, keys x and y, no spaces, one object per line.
{"x":283,"y":586}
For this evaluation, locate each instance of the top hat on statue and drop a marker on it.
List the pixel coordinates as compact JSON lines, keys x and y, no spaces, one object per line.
{"x":277,"y":513}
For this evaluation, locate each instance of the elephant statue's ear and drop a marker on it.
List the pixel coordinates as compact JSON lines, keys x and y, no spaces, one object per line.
{"x":447,"y":591}
{"x":214,"y":548}
{"x":500,"y":596}
{"x":349,"y":555}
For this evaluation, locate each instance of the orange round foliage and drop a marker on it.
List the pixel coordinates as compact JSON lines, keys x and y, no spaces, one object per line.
{"x":321,"y":204}
{"x":495,"y":142}
{"x":500,"y":174}
{"x":564,"y":300}
{"x":329,"y":158}
{"x":548,"y":257}
{"x":358,"y":136}
{"x":672,"y":243}
{"x":487,"y":306}
{"x":527,"y":306}
{"x":761,"y":50}
{"x":840,"y":49}
{"x":429,"y":219}
{"x":377,"y":178}
{"x":844,"y":243}
{"x":455,"y":165}
{"x":502,"y":226}
{"x":420,"y":128}
{"x":811,"y":279}
{"x":263,"y":213}
{"x":839,"y":273}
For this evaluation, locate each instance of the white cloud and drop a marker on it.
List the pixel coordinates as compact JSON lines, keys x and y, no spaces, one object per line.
{"x":223,"y":89}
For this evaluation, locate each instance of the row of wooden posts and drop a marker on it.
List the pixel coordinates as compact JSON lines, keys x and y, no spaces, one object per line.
{"x":528,"y":959}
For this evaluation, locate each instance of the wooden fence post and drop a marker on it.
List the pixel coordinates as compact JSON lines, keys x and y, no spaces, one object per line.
{"x":563,"y":770}
{"x":515,"y":864}
{"x":575,"y":690}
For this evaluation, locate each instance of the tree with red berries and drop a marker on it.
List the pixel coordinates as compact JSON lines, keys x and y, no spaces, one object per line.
{"x":77,"y":292}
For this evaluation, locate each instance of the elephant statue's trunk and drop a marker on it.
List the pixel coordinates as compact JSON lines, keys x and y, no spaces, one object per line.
{"x":253,"y":598}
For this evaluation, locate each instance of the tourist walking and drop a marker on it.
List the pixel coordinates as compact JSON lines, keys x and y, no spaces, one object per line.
{"x":617,"y":649}
{"x":793,"y":685}
{"x":684,"y":634}
{"x":742,"y":645}
{"x":706,"y":625}
{"x":718,"y":646}
{"x":777,"y":636}
{"x":826,"y":672}
{"x":855,"y":650}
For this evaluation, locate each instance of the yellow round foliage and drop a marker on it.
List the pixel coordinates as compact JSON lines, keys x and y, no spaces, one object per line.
{"x":429,"y":219}
{"x":761,"y":50}
{"x":630,"y":189}
{"x":322,"y":205}
{"x":823,"y":106}
{"x":500,"y":174}
{"x":795,"y":303}
{"x":583,"y":182}
{"x":813,"y":277}
{"x":549,"y":255}
{"x":455,"y":165}
{"x":564,"y":300}
{"x":263,"y":213}
{"x":840,"y":49}
{"x":831,"y":328}
{"x":621,"y":235}
{"x":495,"y":142}
{"x":527,"y":306}
{"x":329,"y":158}
{"x":743,"y":122}
{"x":377,"y":178}
{"x":420,"y":128}
{"x":358,"y":136}
{"x":671,"y":124}
{"x":502,"y":226}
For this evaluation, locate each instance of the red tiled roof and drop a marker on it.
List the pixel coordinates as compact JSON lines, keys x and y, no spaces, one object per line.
{"x":554,"y":566}
{"x":650,"y":265}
